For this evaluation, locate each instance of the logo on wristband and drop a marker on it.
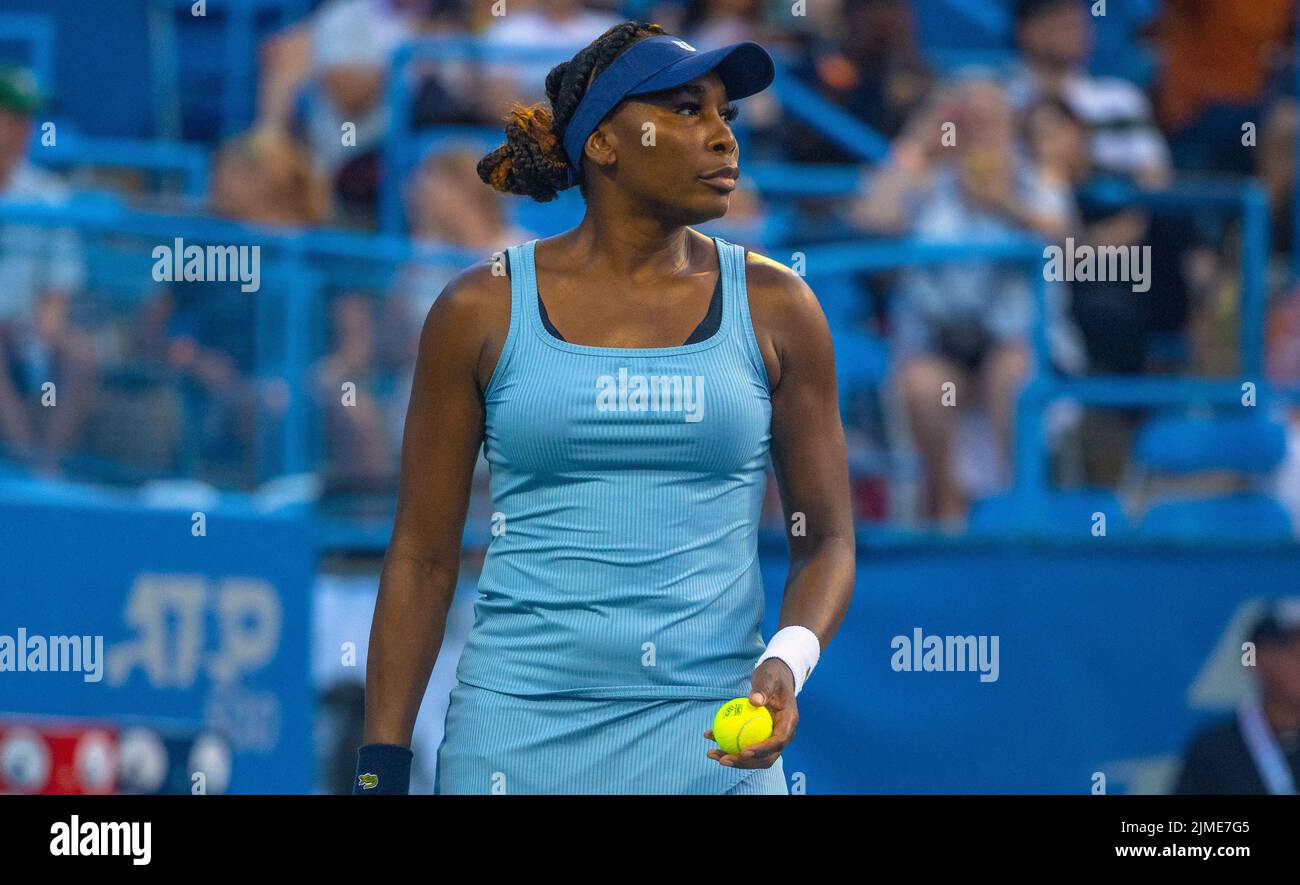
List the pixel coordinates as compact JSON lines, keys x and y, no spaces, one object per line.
{"x":368,"y":781}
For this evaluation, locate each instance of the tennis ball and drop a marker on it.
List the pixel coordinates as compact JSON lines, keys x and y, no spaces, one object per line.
{"x":739,"y":724}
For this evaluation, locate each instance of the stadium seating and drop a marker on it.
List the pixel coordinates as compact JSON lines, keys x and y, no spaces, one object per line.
{"x":1250,"y":447}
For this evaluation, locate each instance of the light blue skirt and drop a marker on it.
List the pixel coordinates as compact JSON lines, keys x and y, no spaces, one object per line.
{"x":520,"y":744}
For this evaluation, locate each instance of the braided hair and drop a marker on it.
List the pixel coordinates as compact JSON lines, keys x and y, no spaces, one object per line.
{"x":532,"y":162}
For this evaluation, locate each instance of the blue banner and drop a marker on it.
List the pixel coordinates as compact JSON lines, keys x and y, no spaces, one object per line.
{"x":173,"y":619}
{"x":1039,"y":670}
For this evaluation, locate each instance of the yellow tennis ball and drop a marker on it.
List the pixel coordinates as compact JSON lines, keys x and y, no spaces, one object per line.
{"x":739,"y":724}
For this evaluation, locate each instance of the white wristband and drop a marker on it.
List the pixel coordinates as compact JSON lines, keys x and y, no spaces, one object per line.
{"x":799,"y":647}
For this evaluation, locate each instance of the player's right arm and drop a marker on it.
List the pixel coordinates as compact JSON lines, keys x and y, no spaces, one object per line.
{"x":462,"y":334}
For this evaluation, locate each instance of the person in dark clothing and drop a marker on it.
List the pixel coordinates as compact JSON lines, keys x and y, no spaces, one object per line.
{"x":1258,"y":749}
{"x":876,"y":72}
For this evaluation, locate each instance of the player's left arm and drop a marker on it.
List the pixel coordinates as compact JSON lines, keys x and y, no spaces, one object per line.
{"x":810,"y":462}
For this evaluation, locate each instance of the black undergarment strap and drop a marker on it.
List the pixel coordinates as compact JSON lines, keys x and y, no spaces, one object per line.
{"x":707,"y":327}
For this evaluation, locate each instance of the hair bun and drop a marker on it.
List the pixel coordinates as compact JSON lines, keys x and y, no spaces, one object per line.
{"x":531,"y":162}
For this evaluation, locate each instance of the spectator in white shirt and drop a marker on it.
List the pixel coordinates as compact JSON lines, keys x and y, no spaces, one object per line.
{"x":558,"y":26}
{"x":1055,"y":40}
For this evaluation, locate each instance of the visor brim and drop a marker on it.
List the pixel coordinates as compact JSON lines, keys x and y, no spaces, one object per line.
{"x":745,"y":69}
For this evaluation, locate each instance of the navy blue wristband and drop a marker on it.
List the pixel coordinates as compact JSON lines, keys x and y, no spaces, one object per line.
{"x":383,"y":768}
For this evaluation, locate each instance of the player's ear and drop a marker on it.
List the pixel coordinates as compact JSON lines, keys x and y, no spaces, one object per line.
{"x":601,"y":146}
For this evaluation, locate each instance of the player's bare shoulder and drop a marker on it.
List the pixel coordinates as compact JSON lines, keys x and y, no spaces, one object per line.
{"x":775,"y":287}
{"x":471,"y":316}
{"x":785,"y":311}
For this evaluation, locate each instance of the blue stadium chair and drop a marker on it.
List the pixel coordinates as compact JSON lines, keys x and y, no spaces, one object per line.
{"x":1247,"y":516}
{"x":1065,"y":514}
{"x":1182,"y":445}
{"x":861,"y":366}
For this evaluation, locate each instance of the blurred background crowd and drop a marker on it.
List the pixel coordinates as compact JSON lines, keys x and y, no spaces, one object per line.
{"x":912,"y":159}
{"x":280,"y":117}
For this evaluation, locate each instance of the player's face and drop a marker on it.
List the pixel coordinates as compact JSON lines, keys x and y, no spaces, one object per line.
{"x":670,"y":148}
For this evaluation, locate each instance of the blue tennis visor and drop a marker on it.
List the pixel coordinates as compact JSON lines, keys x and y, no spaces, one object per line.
{"x":658,"y":63}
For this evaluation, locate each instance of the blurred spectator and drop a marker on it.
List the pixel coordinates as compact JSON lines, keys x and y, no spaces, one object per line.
{"x":1276,"y":153}
{"x":40,"y":270}
{"x":358,"y":452}
{"x":265,"y":177}
{"x":1277,"y":169}
{"x":1057,"y":142}
{"x":332,"y":69}
{"x":1282,"y":337}
{"x":1054,"y":38}
{"x":1258,"y":750}
{"x":712,"y":23}
{"x":560,"y":26}
{"x":1215,"y":64}
{"x":446,"y":205}
{"x":203,"y":335}
{"x":972,"y":319}
{"x":875,"y":71}
{"x":449,"y":91}
{"x":1282,"y":367}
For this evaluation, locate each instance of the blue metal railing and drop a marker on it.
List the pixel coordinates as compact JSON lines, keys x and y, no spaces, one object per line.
{"x":1032,"y":483}
{"x":294,"y":264}
{"x":188,"y":162}
{"x":1247,"y":198}
{"x":306,"y":263}
{"x":404,"y":147}
{"x":236,"y":61}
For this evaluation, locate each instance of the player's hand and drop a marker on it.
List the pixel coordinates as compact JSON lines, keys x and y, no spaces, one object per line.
{"x":771,"y":686}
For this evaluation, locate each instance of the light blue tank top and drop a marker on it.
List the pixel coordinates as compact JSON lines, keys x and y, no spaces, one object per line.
{"x":627,"y":486}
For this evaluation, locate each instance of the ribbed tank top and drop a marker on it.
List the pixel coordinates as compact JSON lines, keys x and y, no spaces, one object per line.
{"x":707,"y":326}
{"x":627,"y":486}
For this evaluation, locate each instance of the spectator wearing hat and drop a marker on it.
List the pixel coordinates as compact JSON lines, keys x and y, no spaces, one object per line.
{"x":1257,"y":750}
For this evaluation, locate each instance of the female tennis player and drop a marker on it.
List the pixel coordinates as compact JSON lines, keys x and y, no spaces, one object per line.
{"x":627,"y":438}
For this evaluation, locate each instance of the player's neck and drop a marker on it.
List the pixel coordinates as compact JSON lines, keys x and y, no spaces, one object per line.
{"x":637,"y":251}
